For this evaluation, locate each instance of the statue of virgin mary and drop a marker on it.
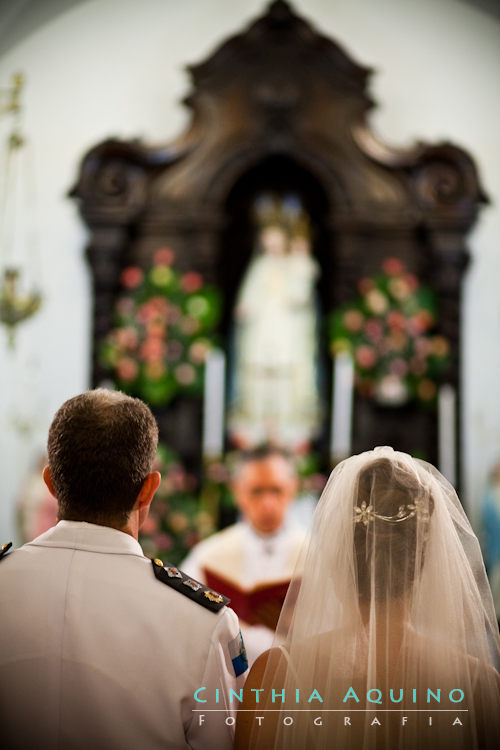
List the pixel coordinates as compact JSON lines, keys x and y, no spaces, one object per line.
{"x":275,"y":392}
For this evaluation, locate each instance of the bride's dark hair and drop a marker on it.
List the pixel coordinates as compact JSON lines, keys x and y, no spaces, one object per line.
{"x":389,"y":540}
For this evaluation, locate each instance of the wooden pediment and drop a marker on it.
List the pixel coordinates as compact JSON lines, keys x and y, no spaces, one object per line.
{"x":281,"y":105}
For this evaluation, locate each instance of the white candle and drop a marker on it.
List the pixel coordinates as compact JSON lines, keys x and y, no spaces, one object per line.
{"x":214,"y":405}
{"x":446,"y":432}
{"x":342,"y":398}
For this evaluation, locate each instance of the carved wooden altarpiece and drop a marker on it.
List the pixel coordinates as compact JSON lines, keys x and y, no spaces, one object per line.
{"x":280,"y":106}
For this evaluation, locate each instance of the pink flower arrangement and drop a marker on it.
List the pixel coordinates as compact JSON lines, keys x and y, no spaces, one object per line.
{"x":164,"y":330}
{"x":389,"y":329}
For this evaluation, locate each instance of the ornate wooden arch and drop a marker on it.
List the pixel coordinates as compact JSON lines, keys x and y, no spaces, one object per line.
{"x":282,"y":91}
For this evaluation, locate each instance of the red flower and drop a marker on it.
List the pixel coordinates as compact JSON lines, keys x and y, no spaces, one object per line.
{"x":365,"y":356}
{"x":145,"y":313}
{"x":163,"y":257}
{"x":126,"y":338}
{"x":395,"y":320}
{"x":393,"y":266}
{"x":152,"y":350}
{"x":191,"y":281}
{"x":127,"y":369}
{"x":159,"y":304}
{"x":131,"y":277}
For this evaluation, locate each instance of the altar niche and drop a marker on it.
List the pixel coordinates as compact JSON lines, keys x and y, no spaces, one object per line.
{"x":281,"y":108}
{"x":274,"y":261}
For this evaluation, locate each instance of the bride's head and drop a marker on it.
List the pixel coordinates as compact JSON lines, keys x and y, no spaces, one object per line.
{"x":390,"y":541}
{"x":393,"y":505}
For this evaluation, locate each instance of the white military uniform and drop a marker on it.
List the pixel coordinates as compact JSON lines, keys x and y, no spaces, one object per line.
{"x":95,"y":652}
{"x":242,"y":554}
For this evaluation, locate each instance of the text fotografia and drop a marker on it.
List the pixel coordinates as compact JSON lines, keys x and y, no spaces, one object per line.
{"x":348,"y":721}
{"x":374,"y":696}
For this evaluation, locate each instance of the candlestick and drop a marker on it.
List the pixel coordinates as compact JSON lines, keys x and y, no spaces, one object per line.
{"x":342,"y":400}
{"x":446,"y":432}
{"x":214,"y":405}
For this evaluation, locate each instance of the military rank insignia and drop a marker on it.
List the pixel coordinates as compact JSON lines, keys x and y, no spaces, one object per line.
{"x":194,"y":585}
{"x":173,"y":572}
{"x":238,"y":654}
{"x":213,"y":596}
{"x":195,"y":590}
{"x":4,"y":549}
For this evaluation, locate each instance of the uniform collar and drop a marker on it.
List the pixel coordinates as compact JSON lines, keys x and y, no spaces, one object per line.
{"x":89,"y":536}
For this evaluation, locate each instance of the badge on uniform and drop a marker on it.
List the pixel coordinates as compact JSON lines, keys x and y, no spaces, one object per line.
{"x":193,"y":584}
{"x":238,"y":654}
{"x":4,"y":549}
{"x":213,"y":596}
{"x":173,"y":572}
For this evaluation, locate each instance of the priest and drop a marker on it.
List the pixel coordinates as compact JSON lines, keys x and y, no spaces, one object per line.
{"x":262,"y":549}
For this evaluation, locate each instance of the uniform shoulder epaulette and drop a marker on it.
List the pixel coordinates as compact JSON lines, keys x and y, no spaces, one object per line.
{"x":195,"y":590}
{"x":4,"y":549}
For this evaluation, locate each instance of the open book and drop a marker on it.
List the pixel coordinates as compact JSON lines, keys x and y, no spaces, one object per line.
{"x":259,"y":605}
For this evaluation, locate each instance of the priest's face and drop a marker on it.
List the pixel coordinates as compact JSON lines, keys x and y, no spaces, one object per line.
{"x":263,"y":491}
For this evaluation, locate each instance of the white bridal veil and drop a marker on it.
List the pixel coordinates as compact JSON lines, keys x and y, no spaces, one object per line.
{"x":389,"y":639}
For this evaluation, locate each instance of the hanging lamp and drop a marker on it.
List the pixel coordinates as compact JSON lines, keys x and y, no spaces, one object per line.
{"x":19,"y":296}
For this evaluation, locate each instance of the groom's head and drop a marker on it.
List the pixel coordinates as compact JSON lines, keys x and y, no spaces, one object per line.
{"x":101,"y":448}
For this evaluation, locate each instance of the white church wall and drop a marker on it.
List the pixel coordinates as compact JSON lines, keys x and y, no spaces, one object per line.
{"x":115,"y":68}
